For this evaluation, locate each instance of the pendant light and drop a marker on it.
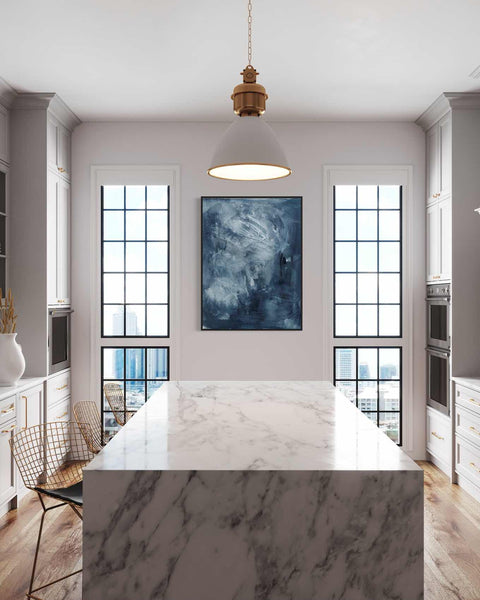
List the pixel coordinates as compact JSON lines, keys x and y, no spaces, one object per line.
{"x":249,"y":150}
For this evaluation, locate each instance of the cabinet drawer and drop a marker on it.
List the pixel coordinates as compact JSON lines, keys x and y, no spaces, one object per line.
{"x":467,"y":398}
{"x":7,"y":409}
{"x":58,"y":387}
{"x":467,"y":424}
{"x":467,"y":460}
{"x":439,"y":436}
{"x":59,"y":412}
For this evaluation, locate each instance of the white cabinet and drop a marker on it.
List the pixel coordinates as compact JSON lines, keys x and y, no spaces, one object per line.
{"x":439,"y":160}
{"x":7,"y":466}
{"x":439,"y":241}
{"x":439,"y":439}
{"x":58,"y":147}
{"x":467,"y":438}
{"x":29,"y":413}
{"x":4,"y":134}
{"x":58,"y":240}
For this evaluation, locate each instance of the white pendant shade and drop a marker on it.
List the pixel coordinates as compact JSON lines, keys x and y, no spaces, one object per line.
{"x":249,"y":151}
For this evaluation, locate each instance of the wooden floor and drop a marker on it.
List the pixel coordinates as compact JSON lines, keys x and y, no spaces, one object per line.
{"x":452,"y":545}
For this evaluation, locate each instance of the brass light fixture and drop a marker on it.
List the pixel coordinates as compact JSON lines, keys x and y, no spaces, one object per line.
{"x":249,"y":150}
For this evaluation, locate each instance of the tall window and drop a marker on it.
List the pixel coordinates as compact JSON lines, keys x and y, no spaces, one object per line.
{"x":135,"y":261}
{"x":367,"y":272}
{"x":368,"y":260}
{"x":135,"y":293}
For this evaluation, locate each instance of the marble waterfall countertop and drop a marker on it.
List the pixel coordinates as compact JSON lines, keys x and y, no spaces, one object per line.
{"x":230,"y":425}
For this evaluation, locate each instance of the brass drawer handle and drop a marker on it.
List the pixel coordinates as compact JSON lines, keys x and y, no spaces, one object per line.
{"x":11,"y":428}
{"x":472,"y":428}
{"x":61,"y":169}
{"x":436,"y":277}
{"x":59,"y":389}
{"x":61,"y":416}
{"x":473,"y":401}
{"x":11,"y":408}
{"x":435,"y":434}
{"x":474,"y":466}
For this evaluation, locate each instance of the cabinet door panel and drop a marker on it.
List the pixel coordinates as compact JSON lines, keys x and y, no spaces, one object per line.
{"x":52,"y":144}
{"x":30,"y":407}
{"x":63,"y":156}
{"x":433,"y":243}
{"x":433,"y":167}
{"x":7,"y":468}
{"x":3,"y":134}
{"x":445,"y":225}
{"x":63,"y":242}
{"x":52,"y":194}
{"x":445,"y":151}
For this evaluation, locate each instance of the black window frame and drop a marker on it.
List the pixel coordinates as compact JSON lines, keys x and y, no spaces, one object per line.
{"x":125,"y":379}
{"x":125,"y":272}
{"x":377,"y":272}
{"x":376,"y":380}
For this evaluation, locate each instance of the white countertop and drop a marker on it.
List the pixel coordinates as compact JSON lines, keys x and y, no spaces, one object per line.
{"x":23,"y":384}
{"x":225,"y":425}
{"x":470,"y":382}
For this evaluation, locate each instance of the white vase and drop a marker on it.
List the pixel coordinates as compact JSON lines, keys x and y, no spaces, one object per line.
{"x":12,"y":361}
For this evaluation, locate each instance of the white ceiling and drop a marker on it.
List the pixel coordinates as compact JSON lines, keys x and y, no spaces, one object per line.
{"x":179,"y":59}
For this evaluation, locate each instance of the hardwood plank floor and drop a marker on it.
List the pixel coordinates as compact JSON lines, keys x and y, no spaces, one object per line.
{"x":452,"y":545}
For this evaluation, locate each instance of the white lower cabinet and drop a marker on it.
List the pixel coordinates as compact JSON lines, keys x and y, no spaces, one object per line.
{"x":467,"y":439}
{"x":29,"y":412}
{"x":439,"y":439}
{"x":7,"y":467}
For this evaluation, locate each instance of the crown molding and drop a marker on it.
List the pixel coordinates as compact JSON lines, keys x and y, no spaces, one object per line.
{"x":48,"y":101}
{"x":445,"y":103}
{"x":7,"y":94}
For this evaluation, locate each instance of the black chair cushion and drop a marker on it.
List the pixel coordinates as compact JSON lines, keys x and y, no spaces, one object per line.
{"x":73,"y":494}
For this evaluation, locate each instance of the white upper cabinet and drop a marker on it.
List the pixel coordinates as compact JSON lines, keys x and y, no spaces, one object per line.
{"x":58,"y":147}
{"x":58,"y":240}
{"x":439,"y":241}
{"x":439,"y":160}
{"x":445,"y":226}
{"x":445,"y":158}
{"x":4,"y":134}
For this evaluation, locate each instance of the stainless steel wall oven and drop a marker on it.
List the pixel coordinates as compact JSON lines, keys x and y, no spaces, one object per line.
{"x":438,"y":347}
{"x":58,"y":339}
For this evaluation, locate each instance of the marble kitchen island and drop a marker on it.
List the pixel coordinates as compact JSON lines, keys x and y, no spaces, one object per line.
{"x":252,"y":491}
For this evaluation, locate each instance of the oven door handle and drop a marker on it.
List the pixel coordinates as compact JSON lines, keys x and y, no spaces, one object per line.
{"x":61,"y":311}
{"x":437,"y":352}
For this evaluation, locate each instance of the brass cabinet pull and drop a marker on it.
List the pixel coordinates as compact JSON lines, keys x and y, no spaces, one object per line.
{"x":435,"y":434}
{"x":59,"y":389}
{"x":473,"y":401}
{"x":61,"y":169}
{"x":472,"y":428}
{"x":11,"y":428}
{"x":11,"y":408}
{"x":61,"y":416}
{"x":436,"y":277}
{"x":473,"y":465}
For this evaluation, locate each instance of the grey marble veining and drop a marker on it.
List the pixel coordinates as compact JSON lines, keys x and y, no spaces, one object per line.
{"x":288,"y":425}
{"x":290,"y":508}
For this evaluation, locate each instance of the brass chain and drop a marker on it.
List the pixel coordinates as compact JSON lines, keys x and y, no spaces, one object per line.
{"x":249,"y":6}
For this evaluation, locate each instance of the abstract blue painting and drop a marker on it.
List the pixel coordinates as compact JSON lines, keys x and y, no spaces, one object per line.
{"x":251,"y":263}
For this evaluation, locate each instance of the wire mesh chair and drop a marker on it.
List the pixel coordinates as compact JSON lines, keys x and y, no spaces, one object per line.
{"x":116,"y":399}
{"x":88,"y":420}
{"x":50,"y":459}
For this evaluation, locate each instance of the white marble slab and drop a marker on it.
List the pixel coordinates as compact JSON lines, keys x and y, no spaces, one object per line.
{"x":252,"y":491}
{"x":24,"y":384}
{"x":473,"y":383}
{"x":287,"y":425}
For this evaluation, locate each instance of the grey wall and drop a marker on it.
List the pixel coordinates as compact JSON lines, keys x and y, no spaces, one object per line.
{"x":246,"y":355}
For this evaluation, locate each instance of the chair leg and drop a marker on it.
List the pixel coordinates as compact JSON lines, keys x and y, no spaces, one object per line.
{"x":30,"y":588}
{"x":45,"y":510}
